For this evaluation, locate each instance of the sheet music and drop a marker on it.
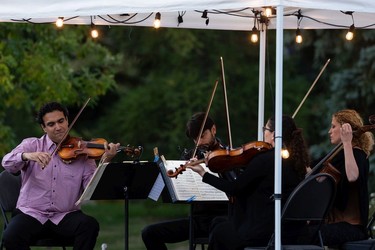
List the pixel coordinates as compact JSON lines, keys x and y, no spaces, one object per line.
{"x":89,"y":190}
{"x":157,"y":188}
{"x":188,"y":186}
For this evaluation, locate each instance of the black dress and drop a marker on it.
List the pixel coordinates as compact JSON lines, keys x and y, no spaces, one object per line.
{"x":252,"y":221}
{"x":335,"y":234}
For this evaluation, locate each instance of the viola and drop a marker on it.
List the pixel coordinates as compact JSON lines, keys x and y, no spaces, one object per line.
{"x":74,"y":147}
{"x":222,"y":160}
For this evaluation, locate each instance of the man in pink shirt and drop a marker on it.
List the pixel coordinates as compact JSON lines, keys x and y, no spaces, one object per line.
{"x":50,"y":186}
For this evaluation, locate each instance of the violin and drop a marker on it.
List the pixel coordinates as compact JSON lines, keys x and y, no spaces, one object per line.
{"x":222,"y":160}
{"x":74,"y":147}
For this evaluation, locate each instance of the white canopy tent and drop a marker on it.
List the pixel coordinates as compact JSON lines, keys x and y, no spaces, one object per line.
{"x":221,"y":14}
{"x":224,"y":15}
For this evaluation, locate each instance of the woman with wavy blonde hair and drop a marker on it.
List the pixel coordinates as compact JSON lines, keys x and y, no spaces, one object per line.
{"x":349,"y":215}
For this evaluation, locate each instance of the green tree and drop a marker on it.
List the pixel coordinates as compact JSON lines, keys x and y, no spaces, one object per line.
{"x":38,"y":64}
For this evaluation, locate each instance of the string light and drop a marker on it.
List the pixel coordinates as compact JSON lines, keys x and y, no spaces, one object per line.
{"x":350,"y":34}
{"x":285,"y":153}
{"x":299,"y":38}
{"x":59,"y":22}
{"x":254,"y":35}
{"x":117,"y":19}
{"x":94,"y":32}
{"x":157,"y":20}
{"x":204,"y":15}
{"x":179,"y":18}
{"x":269,"y":11}
{"x":254,"y":31}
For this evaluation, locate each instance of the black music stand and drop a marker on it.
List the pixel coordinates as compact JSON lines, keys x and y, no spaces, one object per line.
{"x":125,"y":181}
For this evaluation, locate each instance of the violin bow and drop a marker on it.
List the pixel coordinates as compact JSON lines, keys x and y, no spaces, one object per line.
{"x":70,"y":127}
{"x":312,"y":86}
{"x":205,"y":119}
{"x":226,"y":102}
{"x":209,"y":107}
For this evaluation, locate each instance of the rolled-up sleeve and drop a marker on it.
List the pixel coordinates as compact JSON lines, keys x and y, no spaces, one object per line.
{"x":12,"y":161}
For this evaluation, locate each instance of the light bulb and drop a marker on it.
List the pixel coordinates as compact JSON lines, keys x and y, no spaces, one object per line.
{"x":94,"y":33}
{"x":268,"y":11}
{"x":254,"y":35}
{"x":350,"y":35}
{"x":285,"y":153}
{"x":59,"y":22}
{"x":299,"y":38}
{"x":157,"y":20}
{"x":157,"y":24}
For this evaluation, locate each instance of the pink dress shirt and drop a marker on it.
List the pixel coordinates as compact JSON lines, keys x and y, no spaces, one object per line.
{"x":49,"y":193}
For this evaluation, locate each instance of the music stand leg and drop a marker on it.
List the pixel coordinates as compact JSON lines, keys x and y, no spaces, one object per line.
{"x":191,"y":232}
{"x":126,"y":212}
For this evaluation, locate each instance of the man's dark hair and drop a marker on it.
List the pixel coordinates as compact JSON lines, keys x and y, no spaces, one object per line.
{"x":48,"y":108}
{"x":193,"y":126}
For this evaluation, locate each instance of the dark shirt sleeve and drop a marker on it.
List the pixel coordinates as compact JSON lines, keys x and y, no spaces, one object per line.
{"x":258,"y":168}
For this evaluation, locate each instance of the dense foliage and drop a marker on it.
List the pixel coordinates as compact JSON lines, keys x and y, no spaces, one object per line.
{"x":38,"y":64}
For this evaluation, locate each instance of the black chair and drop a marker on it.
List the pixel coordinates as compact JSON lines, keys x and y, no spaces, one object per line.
{"x":368,"y":244}
{"x":9,"y":191}
{"x":309,"y":202}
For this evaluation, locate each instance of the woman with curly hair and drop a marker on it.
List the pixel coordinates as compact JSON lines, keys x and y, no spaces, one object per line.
{"x":349,"y":215}
{"x":252,"y":221}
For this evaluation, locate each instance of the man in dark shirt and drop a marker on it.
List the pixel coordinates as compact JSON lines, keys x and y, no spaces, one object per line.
{"x":157,"y":235}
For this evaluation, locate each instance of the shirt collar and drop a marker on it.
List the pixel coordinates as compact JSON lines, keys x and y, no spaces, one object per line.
{"x":50,"y":144}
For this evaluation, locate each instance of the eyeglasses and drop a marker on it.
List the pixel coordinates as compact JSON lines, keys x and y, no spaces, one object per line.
{"x":265,"y":128}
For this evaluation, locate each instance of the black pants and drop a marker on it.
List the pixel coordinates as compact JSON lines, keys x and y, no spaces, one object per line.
{"x":338,"y":233}
{"x":155,"y":236}
{"x":23,"y":229}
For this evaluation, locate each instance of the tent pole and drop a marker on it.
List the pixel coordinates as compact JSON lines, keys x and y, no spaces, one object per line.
{"x":278,"y":122}
{"x":261,"y":94}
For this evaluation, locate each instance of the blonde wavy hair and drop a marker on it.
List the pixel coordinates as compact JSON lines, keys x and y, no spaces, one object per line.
{"x":365,"y":141}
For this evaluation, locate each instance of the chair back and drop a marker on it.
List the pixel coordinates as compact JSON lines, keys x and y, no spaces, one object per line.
{"x":311,"y":199}
{"x":10,"y":186}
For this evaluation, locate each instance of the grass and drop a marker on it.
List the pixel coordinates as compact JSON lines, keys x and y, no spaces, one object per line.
{"x":111,"y":217}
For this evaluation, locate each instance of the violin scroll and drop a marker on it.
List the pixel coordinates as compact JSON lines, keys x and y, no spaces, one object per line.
{"x":177,"y":171}
{"x":182,"y":168}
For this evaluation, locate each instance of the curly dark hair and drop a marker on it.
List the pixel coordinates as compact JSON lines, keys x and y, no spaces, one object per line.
{"x":293,"y":141}
{"x":48,"y":108}
{"x":193,"y":126}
